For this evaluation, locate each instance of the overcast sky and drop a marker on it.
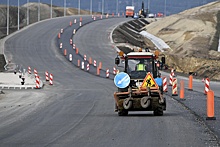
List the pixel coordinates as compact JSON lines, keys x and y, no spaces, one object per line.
{"x":172,"y":6}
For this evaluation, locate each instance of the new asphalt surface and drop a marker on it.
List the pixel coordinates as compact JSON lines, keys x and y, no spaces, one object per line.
{"x":78,"y":109}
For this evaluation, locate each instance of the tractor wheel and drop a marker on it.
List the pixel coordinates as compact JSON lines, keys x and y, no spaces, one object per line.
{"x":122,"y":112}
{"x":158,"y":111}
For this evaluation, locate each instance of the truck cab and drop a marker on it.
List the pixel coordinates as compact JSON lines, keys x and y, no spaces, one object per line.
{"x":129,"y":11}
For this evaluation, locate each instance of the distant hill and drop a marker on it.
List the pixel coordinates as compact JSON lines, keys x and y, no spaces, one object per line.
{"x":33,"y":15}
{"x":172,"y":6}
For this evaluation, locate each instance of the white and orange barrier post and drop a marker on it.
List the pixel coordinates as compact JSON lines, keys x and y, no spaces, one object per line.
{"x":107,"y":73}
{"x":37,"y":82}
{"x":165,"y":88}
{"x":51,"y":79}
{"x":94,"y":63}
{"x":71,"y":41}
{"x":74,"y":46}
{"x":207,"y":87}
{"x":29,"y":69}
{"x":61,"y":45}
{"x":114,"y":70}
{"x":47,"y":76}
{"x":70,"y":57}
{"x":171,"y":77}
{"x":174,"y":87}
{"x":210,"y":106}
{"x":82,"y":65}
{"x":84,"y":57}
{"x":74,"y":20}
{"x":35,"y":73}
{"x":87,"y":67}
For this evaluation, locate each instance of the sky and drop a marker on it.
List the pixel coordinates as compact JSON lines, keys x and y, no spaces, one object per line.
{"x":110,"y":6}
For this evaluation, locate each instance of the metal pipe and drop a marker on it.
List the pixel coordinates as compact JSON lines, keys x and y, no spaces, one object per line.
{"x":102,"y":7}
{"x":148,"y":6}
{"x":64,"y":8}
{"x":116,"y":6}
{"x":51,"y":9}
{"x":90,"y":7}
{"x":165,"y":8}
{"x":8,"y":17}
{"x":79,"y":7}
{"x":38,"y":10}
{"x":27,"y":12}
{"x":18,"y":15}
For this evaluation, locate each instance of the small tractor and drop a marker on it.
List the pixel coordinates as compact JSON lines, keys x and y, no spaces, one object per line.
{"x":140,"y":85}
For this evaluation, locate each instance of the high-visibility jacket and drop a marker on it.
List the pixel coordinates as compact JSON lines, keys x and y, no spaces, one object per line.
{"x":141,"y":67}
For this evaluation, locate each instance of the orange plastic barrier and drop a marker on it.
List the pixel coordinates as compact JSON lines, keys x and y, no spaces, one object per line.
{"x":182,"y":90}
{"x":70,"y":23}
{"x":90,"y":60}
{"x":210,"y":106}
{"x":98,"y":71}
{"x":190,"y":86}
{"x":80,"y":19}
{"x":64,"y":52}
{"x":78,"y":63}
{"x":77,"y":51}
{"x":100,"y":65}
{"x":59,"y":35}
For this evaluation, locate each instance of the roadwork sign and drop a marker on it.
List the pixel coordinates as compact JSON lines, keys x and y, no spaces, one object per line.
{"x":149,"y":81}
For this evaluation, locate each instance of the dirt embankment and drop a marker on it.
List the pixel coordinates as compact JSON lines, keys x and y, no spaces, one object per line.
{"x":193,"y":36}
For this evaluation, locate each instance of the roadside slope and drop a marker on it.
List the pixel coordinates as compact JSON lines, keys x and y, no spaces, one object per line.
{"x":193,"y":36}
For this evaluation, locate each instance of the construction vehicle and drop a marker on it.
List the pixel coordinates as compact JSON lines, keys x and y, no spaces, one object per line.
{"x":129,"y":11}
{"x":139,"y":90}
{"x":142,"y":12}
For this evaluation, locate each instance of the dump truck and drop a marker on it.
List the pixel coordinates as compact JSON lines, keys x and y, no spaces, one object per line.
{"x":129,"y":11}
{"x":140,"y":85}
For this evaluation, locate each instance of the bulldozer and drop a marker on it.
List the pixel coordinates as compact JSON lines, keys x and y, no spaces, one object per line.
{"x":140,"y":85}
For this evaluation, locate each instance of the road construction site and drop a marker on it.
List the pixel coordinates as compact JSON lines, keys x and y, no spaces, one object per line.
{"x":68,"y":111}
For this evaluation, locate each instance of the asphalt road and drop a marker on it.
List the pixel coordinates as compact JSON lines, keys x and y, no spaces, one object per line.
{"x":78,"y":109}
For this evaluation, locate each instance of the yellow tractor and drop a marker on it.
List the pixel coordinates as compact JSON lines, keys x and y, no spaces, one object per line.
{"x":140,"y":86}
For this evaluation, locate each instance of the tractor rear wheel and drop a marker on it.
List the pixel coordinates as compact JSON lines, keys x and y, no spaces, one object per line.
{"x":158,"y":111}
